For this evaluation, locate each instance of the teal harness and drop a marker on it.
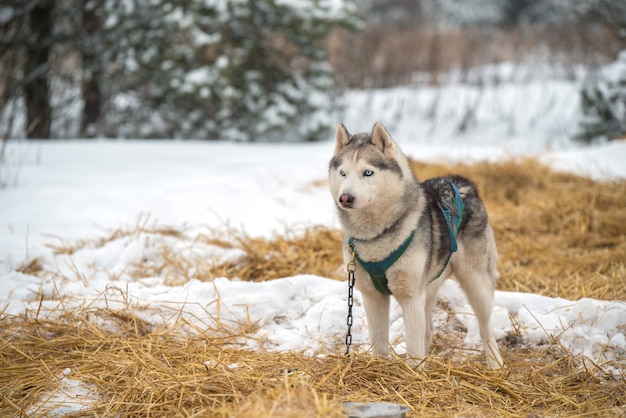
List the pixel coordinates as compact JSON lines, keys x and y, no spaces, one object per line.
{"x":452,"y":211}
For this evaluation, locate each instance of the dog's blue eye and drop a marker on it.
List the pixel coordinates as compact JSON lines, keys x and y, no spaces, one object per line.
{"x":342,"y":173}
{"x":368,"y":173}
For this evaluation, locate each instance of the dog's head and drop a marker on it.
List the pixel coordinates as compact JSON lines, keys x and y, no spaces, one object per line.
{"x":365,"y":168}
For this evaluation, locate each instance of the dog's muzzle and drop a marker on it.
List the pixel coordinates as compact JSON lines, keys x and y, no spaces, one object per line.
{"x":346,"y":200}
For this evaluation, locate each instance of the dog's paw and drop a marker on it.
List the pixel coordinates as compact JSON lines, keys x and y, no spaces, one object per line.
{"x":495,"y":364}
{"x":415,"y":363}
{"x":494,"y":359}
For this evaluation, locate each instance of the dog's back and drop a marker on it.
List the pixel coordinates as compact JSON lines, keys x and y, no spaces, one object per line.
{"x":475,"y":218}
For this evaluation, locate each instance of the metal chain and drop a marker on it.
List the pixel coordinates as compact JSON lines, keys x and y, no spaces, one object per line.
{"x":351,"y":265}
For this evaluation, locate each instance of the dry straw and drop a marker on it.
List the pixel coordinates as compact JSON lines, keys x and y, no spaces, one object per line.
{"x":558,"y":235}
{"x":161,"y":373}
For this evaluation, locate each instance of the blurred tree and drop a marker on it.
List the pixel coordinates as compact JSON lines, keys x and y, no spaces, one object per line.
{"x":26,"y":29}
{"x":91,"y":37}
{"x":238,"y":70}
{"x":514,"y":9}
{"x":11,"y":57}
{"x":233,"y":69}
{"x":603,"y":97}
{"x":398,"y":12}
{"x":603,"y":103}
{"x":37,"y":67}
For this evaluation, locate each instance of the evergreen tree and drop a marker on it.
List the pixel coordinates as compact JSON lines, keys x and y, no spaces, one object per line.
{"x":234,"y":69}
{"x":603,"y":99}
{"x":604,"y":103}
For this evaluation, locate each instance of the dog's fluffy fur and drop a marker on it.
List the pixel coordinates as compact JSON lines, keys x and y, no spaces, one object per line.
{"x":380,"y":202}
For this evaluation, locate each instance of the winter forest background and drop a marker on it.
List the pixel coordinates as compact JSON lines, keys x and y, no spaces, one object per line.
{"x":259,"y":70}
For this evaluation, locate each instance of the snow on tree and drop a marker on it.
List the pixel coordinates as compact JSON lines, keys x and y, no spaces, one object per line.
{"x":604,"y":103}
{"x":470,"y":11}
{"x":228,"y":69}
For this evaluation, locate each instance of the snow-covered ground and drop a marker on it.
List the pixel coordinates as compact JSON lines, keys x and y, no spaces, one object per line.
{"x":66,"y":190}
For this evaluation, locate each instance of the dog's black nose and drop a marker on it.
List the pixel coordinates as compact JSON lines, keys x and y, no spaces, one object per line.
{"x":346,"y":200}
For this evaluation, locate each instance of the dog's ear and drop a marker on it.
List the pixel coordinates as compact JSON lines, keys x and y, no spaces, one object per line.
{"x":342,"y":138}
{"x":382,"y":140}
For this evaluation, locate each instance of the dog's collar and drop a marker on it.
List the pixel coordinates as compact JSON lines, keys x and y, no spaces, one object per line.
{"x":377,"y":269}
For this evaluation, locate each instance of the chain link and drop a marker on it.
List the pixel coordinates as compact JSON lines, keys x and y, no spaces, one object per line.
{"x":350,"y":303}
{"x":351,"y":266}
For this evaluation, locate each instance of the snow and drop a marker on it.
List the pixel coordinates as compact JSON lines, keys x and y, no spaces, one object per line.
{"x":68,"y":190}
{"x":518,"y":115}
{"x":601,"y":163}
{"x":70,"y":396}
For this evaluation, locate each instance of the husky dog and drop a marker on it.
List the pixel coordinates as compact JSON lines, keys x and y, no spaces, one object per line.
{"x":403,"y":240}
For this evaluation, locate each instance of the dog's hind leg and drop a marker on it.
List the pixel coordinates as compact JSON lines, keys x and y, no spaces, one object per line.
{"x":377,"y":311}
{"x":476,"y":272}
{"x":479,"y":289}
{"x":431,"y":300}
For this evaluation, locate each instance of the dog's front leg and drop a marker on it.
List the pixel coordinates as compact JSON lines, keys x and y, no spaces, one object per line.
{"x":377,"y":311}
{"x":414,"y":313}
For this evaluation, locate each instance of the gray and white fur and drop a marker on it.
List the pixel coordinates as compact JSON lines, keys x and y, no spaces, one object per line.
{"x":379,"y":203}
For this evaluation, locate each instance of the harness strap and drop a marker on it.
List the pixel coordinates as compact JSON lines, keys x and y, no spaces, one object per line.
{"x":377,"y":269}
{"x":453,"y":214}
